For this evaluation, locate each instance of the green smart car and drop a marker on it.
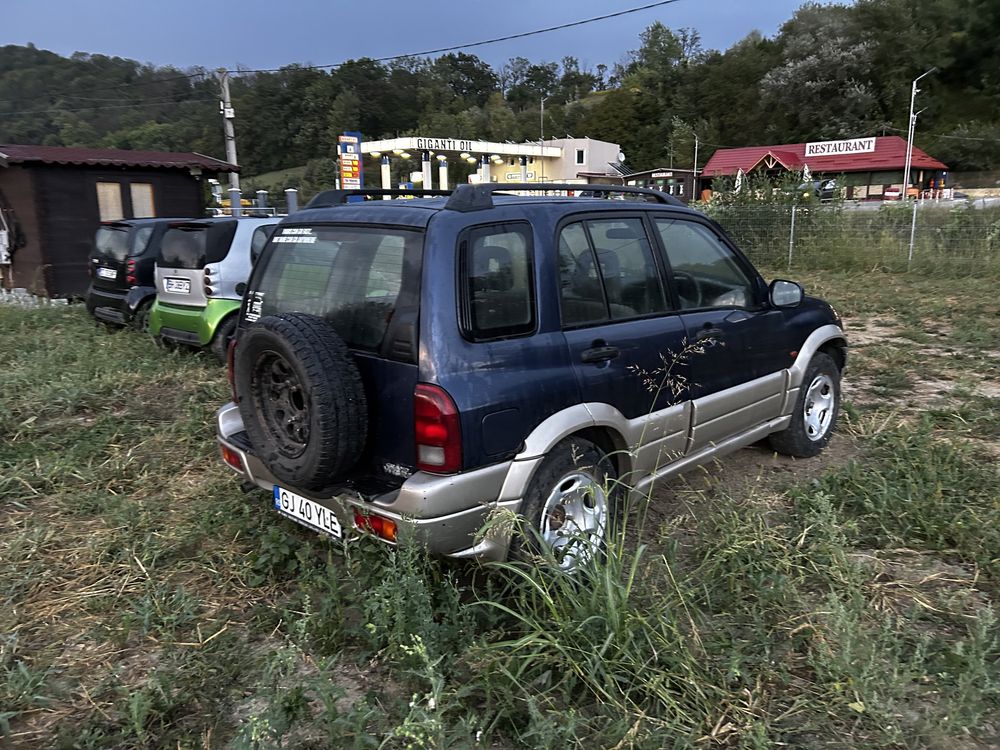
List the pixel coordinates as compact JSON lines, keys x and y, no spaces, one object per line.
{"x":201,"y":273}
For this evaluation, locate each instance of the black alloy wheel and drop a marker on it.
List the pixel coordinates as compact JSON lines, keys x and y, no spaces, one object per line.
{"x":282,"y":403}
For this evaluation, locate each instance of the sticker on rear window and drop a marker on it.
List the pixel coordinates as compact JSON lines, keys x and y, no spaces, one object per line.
{"x":296,"y":239}
{"x":297,"y":230}
{"x":254,"y":304}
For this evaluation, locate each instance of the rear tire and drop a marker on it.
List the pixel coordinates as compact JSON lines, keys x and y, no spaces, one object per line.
{"x":301,"y":399}
{"x":140,"y":319}
{"x":572,"y":505}
{"x":219,"y":345}
{"x":814,"y":416}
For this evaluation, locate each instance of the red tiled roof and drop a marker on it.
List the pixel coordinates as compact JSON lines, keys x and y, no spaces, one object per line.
{"x":889,"y":154}
{"x":111,"y":157}
{"x":787,"y":159}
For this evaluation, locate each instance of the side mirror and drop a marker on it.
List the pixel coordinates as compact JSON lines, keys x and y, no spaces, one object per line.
{"x":241,"y":288}
{"x":785,"y":293}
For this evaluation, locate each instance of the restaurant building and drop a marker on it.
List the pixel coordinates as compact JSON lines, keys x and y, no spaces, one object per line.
{"x":865,"y":168}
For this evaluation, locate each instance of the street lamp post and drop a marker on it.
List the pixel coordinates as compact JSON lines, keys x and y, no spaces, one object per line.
{"x":910,"y":132}
{"x":541,"y":141}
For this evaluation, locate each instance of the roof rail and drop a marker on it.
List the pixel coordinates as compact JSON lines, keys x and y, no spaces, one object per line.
{"x":479,"y":197}
{"x":328,"y":198}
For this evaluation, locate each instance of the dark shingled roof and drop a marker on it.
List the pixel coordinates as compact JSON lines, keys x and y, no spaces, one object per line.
{"x":111,"y":157}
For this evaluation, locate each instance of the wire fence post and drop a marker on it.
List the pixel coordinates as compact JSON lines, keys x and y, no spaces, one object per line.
{"x":791,"y":238}
{"x":913,"y":232}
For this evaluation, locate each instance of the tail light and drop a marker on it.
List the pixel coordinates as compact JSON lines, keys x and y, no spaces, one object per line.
{"x":384,"y":528}
{"x":232,"y":458}
{"x":231,"y":369}
{"x":130,"y":276}
{"x":207,"y":281}
{"x":437,"y":429}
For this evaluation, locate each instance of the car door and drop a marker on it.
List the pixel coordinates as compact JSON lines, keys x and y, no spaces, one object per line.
{"x":737,"y":381}
{"x":622,"y":333}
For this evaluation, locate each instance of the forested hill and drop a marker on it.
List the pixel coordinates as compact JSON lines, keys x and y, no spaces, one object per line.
{"x":832,"y":71}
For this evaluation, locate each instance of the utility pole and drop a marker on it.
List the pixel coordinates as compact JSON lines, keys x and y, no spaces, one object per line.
{"x":228,"y":115}
{"x":910,"y":133}
{"x":695,"y":154}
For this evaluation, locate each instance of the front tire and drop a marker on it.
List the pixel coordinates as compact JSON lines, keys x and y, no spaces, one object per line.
{"x":814,"y":416}
{"x":571,"y":506}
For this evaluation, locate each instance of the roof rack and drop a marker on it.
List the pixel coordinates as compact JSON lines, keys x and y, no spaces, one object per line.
{"x":328,"y":198}
{"x":479,"y":197}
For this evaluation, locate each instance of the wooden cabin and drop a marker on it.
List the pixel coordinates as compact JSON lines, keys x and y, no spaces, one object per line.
{"x":52,"y":200}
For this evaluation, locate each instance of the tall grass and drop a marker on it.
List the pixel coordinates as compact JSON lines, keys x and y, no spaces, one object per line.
{"x":146,"y":602}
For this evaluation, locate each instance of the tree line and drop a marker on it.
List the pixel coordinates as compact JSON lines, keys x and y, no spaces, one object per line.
{"x":831,"y":71}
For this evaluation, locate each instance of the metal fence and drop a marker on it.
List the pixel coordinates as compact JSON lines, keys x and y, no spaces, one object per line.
{"x":920,"y":237}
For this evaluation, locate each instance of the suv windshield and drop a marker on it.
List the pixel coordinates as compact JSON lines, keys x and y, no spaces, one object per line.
{"x":112,"y":242}
{"x":194,"y":245}
{"x":350,"y":276}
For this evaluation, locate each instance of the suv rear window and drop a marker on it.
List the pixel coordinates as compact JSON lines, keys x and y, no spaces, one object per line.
{"x":194,"y":245}
{"x":351,"y":276}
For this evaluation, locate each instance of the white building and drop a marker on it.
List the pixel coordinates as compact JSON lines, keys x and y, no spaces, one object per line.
{"x":568,"y":160}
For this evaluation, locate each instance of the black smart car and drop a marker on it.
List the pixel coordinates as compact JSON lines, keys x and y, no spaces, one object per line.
{"x":122,"y":288}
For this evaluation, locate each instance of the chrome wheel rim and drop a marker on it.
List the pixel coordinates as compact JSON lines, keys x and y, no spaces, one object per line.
{"x":574,"y":519}
{"x":817,"y":411}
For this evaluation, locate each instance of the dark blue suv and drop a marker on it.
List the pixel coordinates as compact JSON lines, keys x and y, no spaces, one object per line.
{"x":435,"y":360}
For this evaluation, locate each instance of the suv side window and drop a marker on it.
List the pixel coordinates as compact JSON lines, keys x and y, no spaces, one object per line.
{"x":497,"y":282}
{"x":622,"y":283}
{"x":706,"y":272}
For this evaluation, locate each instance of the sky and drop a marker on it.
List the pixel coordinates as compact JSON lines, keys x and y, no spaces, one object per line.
{"x":256,"y":34}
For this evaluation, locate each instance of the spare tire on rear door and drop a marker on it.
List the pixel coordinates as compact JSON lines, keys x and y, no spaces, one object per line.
{"x":301,"y":399}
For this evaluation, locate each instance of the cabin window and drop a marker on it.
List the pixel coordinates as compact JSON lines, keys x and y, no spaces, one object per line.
{"x":580,"y":156}
{"x":142,"y":200}
{"x":109,"y":201}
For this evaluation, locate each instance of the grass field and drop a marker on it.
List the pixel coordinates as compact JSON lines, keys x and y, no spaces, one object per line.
{"x":844,"y":601}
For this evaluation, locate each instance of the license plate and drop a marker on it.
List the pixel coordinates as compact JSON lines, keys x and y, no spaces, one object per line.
{"x":107,"y":273}
{"x":177,"y":286}
{"x":306,"y":512}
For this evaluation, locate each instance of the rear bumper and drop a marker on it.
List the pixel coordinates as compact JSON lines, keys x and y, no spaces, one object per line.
{"x":192,"y":325}
{"x":108,"y":305}
{"x":444,"y":512}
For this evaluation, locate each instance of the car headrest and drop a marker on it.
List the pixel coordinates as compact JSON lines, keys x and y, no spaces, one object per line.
{"x":492,"y":269}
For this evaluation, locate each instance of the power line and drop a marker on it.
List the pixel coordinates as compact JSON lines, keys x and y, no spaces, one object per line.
{"x":949,"y":137}
{"x":425,"y":53}
{"x":151,"y":103}
{"x":112,"y":87}
{"x":507,"y":38}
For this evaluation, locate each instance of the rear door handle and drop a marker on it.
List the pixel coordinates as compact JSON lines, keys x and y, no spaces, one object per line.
{"x":599,"y":354}
{"x":709,"y":333}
